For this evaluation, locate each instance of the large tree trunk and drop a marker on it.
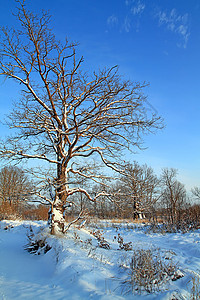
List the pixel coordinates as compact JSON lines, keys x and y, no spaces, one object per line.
{"x":57,"y":210}
{"x":56,"y":217}
{"x":62,"y":183}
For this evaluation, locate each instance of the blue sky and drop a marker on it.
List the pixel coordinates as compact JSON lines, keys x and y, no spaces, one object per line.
{"x":157,"y":41}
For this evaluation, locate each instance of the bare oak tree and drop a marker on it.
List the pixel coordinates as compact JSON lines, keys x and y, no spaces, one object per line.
{"x":65,"y":115}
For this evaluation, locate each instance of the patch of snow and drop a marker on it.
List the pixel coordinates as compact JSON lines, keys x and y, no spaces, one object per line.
{"x":77,"y":268}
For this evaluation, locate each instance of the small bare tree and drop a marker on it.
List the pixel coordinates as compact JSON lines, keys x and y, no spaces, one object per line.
{"x":15,"y":188}
{"x":65,"y":115}
{"x":196,"y":192}
{"x":173,"y":193}
{"x":139,"y":185}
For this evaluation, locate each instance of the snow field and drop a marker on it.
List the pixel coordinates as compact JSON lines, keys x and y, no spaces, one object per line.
{"x":77,"y":267}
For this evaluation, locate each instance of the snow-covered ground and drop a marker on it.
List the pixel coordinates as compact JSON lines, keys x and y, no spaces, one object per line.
{"x":77,"y":267}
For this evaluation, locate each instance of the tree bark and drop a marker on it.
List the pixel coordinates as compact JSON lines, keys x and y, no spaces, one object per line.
{"x":57,"y":210}
{"x":56,"y":218}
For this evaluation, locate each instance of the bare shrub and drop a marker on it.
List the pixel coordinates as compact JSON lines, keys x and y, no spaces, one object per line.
{"x":36,"y":245}
{"x":102,"y":243}
{"x":148,"y":272}
{"x":8,"y":227}
{"x":122,"y":244}
{"x":77,"y":237}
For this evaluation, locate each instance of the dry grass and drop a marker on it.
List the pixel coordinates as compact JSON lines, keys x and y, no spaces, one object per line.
{"x":149,"y":272}
{"x":128,"y":221}
{"x":195,"y":289}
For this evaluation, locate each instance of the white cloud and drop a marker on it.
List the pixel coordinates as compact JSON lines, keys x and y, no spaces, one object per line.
{"x":127,"y":24}
{"x":172,"y":20}
{"x":135,"y":9}
{"x":112,"y":20}
{"x":175,"y":23}
{"x":128,"y":2}
{"x":138,"y":8}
